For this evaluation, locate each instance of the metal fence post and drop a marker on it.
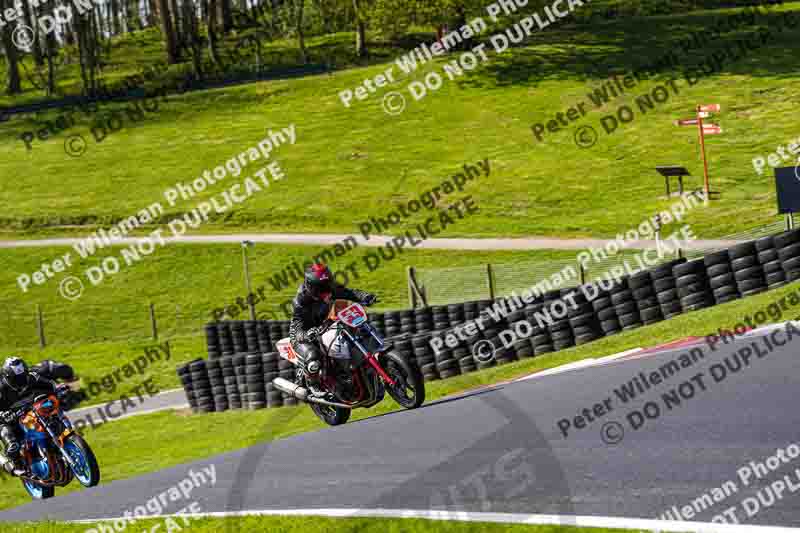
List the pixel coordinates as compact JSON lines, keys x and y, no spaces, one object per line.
{"x":415,"y":292}
{"x":490,"y":275}
{"x":40,"y":326}
{"x":153,"y":324}
{"x":412,"y":297}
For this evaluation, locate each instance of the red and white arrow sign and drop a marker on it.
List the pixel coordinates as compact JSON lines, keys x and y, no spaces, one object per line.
{"x":713,"y":108}
{"x":711,"y":129}
{"x":686,"y":122}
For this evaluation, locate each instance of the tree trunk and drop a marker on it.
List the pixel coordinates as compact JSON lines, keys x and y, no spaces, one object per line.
{"x":361,"y":40}
{"x":177,"y":28}
{"x":115,"y":26}
{"x":14,"y":85}
{"x":191,"y":32}
{"x":361,"y":32}
{"x":301,"y":39}
{"x":227,"y":16}
{"x":211,"y":22}
{"x":169,"y":35}
{"x":82,"y":30}
{"x":151,"y":13}
{"x":50,"y":47}
{"x":29,"y":18}
{"x":461,"y":21}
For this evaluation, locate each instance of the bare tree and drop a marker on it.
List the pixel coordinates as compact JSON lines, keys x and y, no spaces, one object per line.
{"x":152,"y":11}
{"x":361,"y":30}
{"x":169,"y":34}
{"x":212,"y":24}
{"x":29,"y":17}
{"x":299,"y":9}
{"x":50,"y":47}
{"x":177,"y":27}
{"x":14,"y":85}
{"x":115,"y":17}
{"x":227,"y":15}
{"x":88,"y":50}
{"x":191,"y":34}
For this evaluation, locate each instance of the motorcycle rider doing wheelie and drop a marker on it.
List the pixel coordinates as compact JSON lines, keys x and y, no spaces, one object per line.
{"x":311,"y":306}
{"x":18,"y":383}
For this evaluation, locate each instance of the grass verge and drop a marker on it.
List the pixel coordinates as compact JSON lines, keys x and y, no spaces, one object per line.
{"x":322,"y":525}
{"x":359,"y":156}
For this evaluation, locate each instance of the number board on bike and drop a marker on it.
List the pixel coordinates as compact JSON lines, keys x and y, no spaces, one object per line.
{"x":353,"y":316}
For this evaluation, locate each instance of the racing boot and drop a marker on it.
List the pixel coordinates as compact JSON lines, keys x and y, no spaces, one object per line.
{"x":12,"y":462}
{"x":313,"y":380}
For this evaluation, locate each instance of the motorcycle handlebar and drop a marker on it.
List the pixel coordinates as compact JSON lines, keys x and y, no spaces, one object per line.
{"x":22,"y":406}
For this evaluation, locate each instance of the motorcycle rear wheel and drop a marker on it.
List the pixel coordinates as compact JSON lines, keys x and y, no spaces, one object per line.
{"x":333,"y":416}
{"x":38,"y":492}
{"x":410,"y":389}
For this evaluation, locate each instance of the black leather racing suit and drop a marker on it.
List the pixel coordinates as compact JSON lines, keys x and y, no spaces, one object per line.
{"x":309,"y":312}
{"x":9,"y":433}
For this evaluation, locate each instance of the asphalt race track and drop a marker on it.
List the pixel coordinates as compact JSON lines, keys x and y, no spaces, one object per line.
{"x":501,"y":450}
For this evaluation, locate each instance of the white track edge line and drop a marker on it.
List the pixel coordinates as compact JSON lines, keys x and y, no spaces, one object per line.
{"x":504,"y":518}
{"x":579,"y":364}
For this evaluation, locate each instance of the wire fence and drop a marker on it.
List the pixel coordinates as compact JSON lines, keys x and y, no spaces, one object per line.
{"x":488,"y":281}
{"x":36,"y":326}
{"x":164,"y":315}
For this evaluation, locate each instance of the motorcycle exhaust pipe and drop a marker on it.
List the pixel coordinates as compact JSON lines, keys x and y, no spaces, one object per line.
{"x":286,"y":386}
{"x":6,"y":464}
{"x":301,"y":393}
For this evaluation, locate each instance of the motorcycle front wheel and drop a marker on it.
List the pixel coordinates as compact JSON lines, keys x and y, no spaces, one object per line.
{"x":86,"y":469}
{"x":409,"y":388}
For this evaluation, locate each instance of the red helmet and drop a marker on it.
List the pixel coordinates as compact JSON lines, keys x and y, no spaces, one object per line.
{"x":319,"y":279}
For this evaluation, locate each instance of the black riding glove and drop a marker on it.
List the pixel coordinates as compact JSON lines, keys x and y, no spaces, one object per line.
{"x":312,"y":334}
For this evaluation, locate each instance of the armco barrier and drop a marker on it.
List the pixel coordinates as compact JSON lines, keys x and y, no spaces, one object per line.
{"x":243,"y":362}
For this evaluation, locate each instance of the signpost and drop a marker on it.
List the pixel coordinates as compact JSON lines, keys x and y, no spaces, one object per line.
{"x":703,"y":111}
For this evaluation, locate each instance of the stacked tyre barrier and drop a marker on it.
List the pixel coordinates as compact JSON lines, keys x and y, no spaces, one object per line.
{"x":606,"y":314}
{"x":644,"y":294}
{"x":666,"y":288}
{"x":770,"y":260}
{"x":226,"y":338}
{"x":694,"y":291}
{"x":625,"y":306}
{"x":241,"y":381}
{"x":721,"y":278}
{"x":747,"y":270}
{"x":243,"y":362}
{"x":788,"y":247}
{"x":583,"y":320}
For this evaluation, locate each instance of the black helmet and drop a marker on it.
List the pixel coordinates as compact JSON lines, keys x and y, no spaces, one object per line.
{"x":15,"y":373}
{"x":319,"y":279}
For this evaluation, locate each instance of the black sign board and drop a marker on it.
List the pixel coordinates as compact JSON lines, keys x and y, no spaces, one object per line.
{"x":787,"y":184}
